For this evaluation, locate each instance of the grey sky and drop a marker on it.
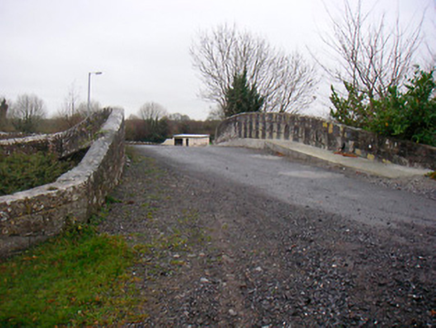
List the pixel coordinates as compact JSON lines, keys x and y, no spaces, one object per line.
{"x":142,"y":46}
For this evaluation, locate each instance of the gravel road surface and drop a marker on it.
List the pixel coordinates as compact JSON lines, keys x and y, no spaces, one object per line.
{"x":299,"y":184}
{"x":231,"y":237}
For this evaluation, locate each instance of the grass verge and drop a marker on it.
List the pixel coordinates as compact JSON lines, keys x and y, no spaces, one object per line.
{"x":78,"y":279}
{"x":132,"y":155}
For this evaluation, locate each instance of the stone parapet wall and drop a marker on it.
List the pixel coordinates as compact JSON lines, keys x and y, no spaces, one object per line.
{"x":327,"y":135}
{"x":34,"y":215}
{"x":62,"y":143}
{"x":11,"y":135}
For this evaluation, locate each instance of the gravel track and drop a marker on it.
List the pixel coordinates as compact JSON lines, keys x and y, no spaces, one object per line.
{"x":215,"y":253}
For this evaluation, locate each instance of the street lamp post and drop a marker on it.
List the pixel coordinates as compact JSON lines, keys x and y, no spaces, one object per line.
{"x":89,"y":90}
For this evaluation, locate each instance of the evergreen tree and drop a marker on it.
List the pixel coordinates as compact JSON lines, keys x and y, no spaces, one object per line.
{"x":241,"y":97}
{"x":3,"y":113}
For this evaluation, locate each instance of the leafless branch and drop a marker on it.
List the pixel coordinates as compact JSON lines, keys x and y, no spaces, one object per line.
{"x":285,"y":81}
{"x":369,"y":54}
{"x":152,"y":111}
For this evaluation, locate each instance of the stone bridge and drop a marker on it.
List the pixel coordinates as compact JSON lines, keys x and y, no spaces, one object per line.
{"x":32,"y":216}
{"x":326,"y":135}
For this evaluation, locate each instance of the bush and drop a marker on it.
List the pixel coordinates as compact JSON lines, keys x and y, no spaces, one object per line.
{"x":408,"y":115}
{"x":351,"y":111}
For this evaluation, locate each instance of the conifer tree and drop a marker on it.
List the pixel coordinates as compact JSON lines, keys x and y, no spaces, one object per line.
{"x":241,"y":97}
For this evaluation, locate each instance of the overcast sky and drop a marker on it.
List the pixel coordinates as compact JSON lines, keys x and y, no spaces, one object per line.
{"x":142,"y":46}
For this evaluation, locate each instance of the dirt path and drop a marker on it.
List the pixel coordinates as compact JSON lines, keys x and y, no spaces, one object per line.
{"x":216,"y":254}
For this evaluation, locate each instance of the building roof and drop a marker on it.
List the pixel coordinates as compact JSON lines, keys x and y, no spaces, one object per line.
{"x":191,"y":136}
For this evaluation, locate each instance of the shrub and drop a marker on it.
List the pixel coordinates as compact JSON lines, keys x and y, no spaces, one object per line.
{"x":408,"y":114}
{"x":350,"y":111}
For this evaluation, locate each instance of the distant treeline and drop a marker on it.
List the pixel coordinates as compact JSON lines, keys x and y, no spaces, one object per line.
{"x":159,"y":130}
{"x":136,"y":129}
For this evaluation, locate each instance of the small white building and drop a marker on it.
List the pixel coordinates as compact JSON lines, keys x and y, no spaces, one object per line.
{"x":189,"y":140}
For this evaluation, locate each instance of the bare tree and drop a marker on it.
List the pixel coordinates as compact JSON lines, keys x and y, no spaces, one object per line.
{"x":82,"y":108}
{"x":293,"y":85}
{"x":153,"y":126}
{"x":430,"y":43}
{"x":178,"y":117}
{"x":71,"y":102}
{"x":370,"y":55}
{"x":285,"y":81}
{"x":27,"y":112}
{"x":152,"y":111}
{"x":69,"y":112}
{"x":216,"y":113}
